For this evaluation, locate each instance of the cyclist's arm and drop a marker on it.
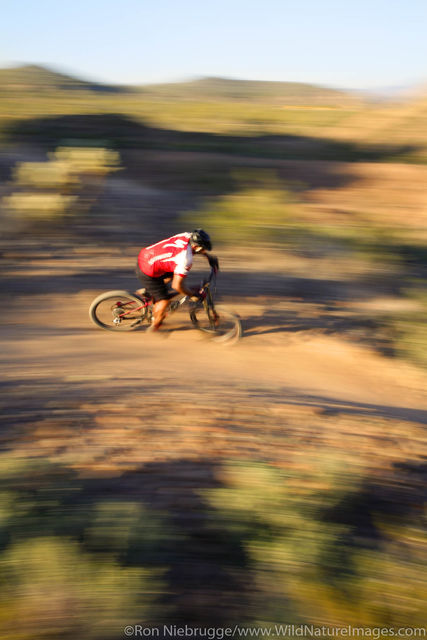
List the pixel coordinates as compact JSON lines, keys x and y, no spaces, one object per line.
{"x":178,"y":285}
{"x":213,"y":260}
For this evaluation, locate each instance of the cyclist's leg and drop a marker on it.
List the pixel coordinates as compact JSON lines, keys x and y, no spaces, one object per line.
{"x":144,"y":279}
{"x":162,"y":298}
{"x":158,"y":289}
{"x":159,"y":313}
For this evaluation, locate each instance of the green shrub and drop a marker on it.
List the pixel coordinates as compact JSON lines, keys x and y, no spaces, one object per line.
{"x":43,"y":188}
{"x":87,"y":160}
{"x":70,"y":566}
{"x":299,"y":529}
{"x":409,"y":330}
{"x":50,"y":588}
{"x":39,"y":205}
{"x":260,"y":211}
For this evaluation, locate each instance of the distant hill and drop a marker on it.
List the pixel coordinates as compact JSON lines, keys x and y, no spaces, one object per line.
{"x":228,"y":89}
{"x":40,"y":78}
{"x":35,"y":77}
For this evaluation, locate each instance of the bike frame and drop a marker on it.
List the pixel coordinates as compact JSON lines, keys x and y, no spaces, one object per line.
{"x":112,"y":308}
{"x":206,"y":299}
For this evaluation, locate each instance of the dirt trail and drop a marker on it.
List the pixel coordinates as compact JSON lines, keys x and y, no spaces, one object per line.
{"x":104,"y":403}
{"x":66,"y":346}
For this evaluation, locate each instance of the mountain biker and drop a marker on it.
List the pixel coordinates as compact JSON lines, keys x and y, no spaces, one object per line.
{"x":170,"y":260}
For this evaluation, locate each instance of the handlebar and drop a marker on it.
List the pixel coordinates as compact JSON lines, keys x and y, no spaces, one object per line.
{"x":202,"y":288}
{"x":211,"y":278}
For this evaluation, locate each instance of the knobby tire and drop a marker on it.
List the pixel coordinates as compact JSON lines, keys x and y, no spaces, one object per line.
{"x":117,"y":305}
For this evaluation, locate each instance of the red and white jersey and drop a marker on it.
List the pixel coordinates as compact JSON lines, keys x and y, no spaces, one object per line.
{"x":173,"y":255}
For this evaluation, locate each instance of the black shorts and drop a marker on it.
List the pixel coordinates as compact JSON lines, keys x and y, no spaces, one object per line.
{"x":156,"y":287}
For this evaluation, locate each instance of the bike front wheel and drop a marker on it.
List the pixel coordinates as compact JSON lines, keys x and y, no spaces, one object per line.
{"x":118,"y":311}
{"x":220,"y":325}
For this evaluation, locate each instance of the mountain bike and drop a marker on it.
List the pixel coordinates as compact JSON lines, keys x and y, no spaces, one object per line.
{"x":124,"y":311}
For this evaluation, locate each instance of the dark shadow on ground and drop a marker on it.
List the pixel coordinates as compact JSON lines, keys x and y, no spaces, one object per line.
{"x":259,"y":285}
{"x":208,"y":575}
{"x":334,"y":407}
{"x":125,"y":132}
{"x":360,"y":329}
{"x":398,"y":496}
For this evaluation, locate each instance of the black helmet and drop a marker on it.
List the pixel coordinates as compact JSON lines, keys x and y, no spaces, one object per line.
{"x":201,"y":238}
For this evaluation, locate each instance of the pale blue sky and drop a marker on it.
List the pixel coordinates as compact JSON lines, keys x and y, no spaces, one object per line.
{"x":341,"y":43}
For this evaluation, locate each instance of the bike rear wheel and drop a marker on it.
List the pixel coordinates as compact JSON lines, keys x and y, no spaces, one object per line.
{"x":118,"y":311}
{"x":221,"y":326}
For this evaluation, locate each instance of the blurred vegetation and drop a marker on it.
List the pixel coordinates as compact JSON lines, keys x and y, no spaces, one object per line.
{"x":52,"y":587}
{"x":261,"y":210}
{"x":409,"y":330}
{"x":318,"y":543}
{"x":65,"y":567}
{"x":320,"y":551}
{"x":69,"y":182}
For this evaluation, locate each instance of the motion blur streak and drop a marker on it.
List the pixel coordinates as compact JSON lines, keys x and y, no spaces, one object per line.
{"x":172,"y":481}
